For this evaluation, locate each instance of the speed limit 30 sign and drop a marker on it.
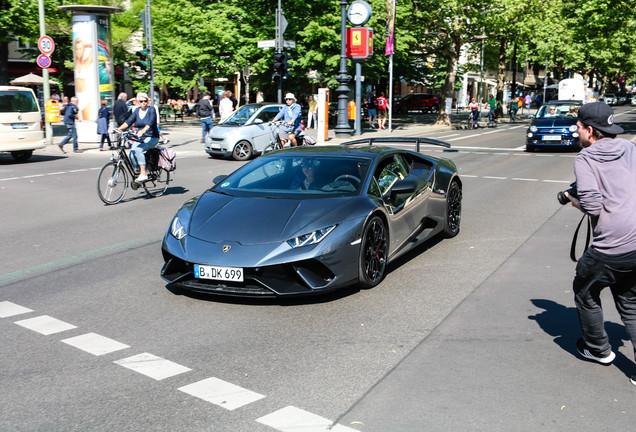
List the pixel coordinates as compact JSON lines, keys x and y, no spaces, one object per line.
{"x":46,"y":45}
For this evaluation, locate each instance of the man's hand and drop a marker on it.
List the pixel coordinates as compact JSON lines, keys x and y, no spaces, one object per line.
{"x":575,"y":202}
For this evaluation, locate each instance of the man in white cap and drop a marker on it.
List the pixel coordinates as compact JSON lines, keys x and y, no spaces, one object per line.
{"x":605,"y":178}
{"x":291,"y":116}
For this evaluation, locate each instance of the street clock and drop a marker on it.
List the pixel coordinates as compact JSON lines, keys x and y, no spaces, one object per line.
{"x":359,"y":12}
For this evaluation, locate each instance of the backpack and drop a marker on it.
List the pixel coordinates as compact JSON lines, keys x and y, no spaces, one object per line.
{"x":309,"y":140}
{"x":167,"y":159}
{"x":382,"y":103}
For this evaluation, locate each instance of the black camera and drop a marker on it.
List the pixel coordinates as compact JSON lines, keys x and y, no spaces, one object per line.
{"x":572,"y":192}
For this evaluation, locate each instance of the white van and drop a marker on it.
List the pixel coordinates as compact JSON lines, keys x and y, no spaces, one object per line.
{"x":21,"y":122}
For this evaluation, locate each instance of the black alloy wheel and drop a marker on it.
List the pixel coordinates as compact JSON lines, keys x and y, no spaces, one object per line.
{"x":453,"y":210}
{"x":373,"y":253}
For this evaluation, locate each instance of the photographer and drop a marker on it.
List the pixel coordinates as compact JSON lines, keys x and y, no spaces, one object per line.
{"x":605,"y":182}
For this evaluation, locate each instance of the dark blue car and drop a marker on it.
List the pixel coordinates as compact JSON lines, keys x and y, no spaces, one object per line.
{"x":554,"y":126}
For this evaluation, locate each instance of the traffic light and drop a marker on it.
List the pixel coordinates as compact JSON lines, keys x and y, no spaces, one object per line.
{"x":142,"y":63}
{"x":281,"y":66}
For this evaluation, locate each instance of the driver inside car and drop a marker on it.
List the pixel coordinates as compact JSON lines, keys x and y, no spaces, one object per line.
{"x":310,"y":172}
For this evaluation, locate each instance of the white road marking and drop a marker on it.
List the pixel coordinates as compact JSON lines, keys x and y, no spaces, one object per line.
{"x":496,"y":178}
{"x":8,"y":309}
{"x":292,"y":419}
{"x":557,"y":181}
{"x":45,"y":325}
{"x":95,"y":344}
{"x":525,"y":179}
{"x":221,"y":393}
{"x":152,"y":366}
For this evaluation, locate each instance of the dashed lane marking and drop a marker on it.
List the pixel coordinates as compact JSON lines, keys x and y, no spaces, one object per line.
{"x":152,"y":366}
{"x":45,"y":325}
{"x":221,"y":393}
{"x":292,"y":419}
{"x":213,"y":390}
{"x":95,"y":344}
{"x":8,"y":309}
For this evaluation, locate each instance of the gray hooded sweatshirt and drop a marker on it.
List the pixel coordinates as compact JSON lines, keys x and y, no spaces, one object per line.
{"x":606,"y":182}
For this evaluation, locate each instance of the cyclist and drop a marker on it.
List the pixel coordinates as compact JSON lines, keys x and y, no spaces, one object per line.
{"x":514,"y":107}
{"x":291,"y":115}
{"x":473,"y":106}
{"x":492,"y":113}
{"x":145,"y":119}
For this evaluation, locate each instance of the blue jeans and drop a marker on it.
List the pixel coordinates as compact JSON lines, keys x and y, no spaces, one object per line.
{"x":72,"y":133}
{"x":137,"y":156}
{"x":206,"y":124}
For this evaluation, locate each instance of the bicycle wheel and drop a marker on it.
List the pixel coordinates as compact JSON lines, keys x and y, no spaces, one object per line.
{"x":112,"y":183}
{"x":157,"y":182}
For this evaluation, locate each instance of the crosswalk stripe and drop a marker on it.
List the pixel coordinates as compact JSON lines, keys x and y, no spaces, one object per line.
{"x":45,"y":325}
{"x":95,"y":344}
{"x":8,"y":309}
{"x":292,"y":419}
{"x":221,"y":393}
{"x":152,"y":366}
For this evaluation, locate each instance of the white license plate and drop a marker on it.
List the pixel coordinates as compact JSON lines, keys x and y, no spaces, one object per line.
{"x":19,"y":125}
{"x":232,"y":274}
{"x":551,"y":137}
{"x":215,"y":147}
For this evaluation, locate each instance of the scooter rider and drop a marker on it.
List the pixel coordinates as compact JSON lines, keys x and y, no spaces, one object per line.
{"x":291,"y":116}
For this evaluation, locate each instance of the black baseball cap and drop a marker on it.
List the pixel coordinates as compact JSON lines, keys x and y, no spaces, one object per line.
{"x":600,"y":116}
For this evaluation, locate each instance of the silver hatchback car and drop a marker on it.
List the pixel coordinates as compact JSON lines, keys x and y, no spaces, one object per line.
{"x":245,"y":133}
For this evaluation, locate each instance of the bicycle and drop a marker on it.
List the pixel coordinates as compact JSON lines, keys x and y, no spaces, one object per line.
{"x":113,"y":178}
{"x":275,"y":142}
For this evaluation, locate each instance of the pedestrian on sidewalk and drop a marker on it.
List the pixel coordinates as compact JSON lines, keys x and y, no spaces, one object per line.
{"x":313,"y":112}
{"x":605,"y":173}
{"x":120,"y":110}
{"x":70,"y":113}
{"x":383,"y":108}
{"x":205,"y":111}
{"x":372,"y":108}
{"x":102,"y":125}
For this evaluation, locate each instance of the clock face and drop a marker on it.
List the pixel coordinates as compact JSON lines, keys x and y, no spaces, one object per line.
{"x":359,"y":12}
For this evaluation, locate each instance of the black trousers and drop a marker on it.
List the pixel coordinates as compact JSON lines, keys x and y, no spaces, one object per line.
{"x":594,"y":272}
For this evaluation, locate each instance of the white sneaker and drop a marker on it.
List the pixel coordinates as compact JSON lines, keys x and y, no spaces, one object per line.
{"x":633,"y":379}
{"x":142,"y":178}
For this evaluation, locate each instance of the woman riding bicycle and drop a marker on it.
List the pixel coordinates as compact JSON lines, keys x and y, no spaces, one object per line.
{"x":474,"y":111}
{"x":145,"y":119}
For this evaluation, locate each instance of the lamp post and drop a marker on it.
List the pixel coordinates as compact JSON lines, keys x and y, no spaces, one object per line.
{"x":343,"y":129}
{"x":481,"y":61}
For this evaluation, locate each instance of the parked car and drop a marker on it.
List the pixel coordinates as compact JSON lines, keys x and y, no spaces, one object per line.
{"x":554,"y":129}
{"x":633,"y":101}
{"x":21,"y":125}
{"x":609,"y":98}
{"x":245,"y":133}
{"x":305,"y":221}
{"x":417,"y":102}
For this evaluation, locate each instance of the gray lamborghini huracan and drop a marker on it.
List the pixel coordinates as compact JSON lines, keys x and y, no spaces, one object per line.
{"x":309,"y":220}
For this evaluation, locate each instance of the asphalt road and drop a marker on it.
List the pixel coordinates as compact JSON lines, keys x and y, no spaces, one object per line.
{"x":471,"y":333}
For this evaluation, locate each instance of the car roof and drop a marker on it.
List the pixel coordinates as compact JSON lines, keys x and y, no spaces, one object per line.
{"x":565,"y":102}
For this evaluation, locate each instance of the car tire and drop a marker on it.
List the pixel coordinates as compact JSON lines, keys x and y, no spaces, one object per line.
{"x":435,"y":109}
{"x":22,"y":156}
{"x":242,"y":151}
{"x":529,"y":148}
{"x":374,"y":250}
{"x":453,"y":210}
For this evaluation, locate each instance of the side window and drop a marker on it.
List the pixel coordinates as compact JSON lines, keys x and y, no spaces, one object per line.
{"x":268,"y":113}
{"x":389,"y":173}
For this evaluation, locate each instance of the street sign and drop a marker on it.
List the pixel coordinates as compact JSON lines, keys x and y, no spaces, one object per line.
{"x":271,"y":43}
{"x":43,"y":61}
{"x":289,"y":44}
{"x":46,"y":45}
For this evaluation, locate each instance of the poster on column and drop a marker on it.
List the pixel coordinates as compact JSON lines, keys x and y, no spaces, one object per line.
{"x":85,"y":59}
{"x":105,"y":60}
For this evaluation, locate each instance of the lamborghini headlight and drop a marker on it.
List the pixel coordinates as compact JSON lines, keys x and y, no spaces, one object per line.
{"x":311,"y":238}
{"x":177,"y":229}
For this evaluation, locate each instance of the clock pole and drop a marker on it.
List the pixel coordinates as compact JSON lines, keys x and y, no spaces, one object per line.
{"x":343,"y":129}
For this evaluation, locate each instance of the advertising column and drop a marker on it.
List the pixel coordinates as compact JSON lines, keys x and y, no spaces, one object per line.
{"x":94,"y":71}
